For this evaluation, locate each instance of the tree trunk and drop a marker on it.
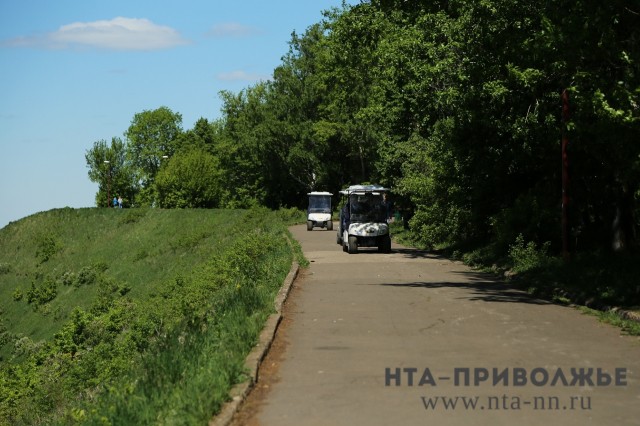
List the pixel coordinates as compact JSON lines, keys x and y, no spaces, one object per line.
{"x":624,"y":226}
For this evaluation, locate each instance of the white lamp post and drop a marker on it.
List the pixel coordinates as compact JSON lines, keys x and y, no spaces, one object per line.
{"x":108,"y":182}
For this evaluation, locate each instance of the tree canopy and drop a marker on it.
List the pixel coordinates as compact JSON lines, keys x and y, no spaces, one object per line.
{"x":454,"y":104}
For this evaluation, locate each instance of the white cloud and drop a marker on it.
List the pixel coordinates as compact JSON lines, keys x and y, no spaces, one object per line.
{"x":242,"y":76}
{"x":232,"y":29}
{"x":116,"y":34}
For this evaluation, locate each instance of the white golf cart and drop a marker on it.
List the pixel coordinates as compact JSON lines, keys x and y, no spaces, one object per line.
{"x":319,"y":211}
{"x":363,"y":219}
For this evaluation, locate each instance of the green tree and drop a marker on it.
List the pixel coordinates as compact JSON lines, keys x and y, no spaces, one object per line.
{"x":602,"y":65}
{"x":204,"y":135}
{"x":297,"y":91}
{"x":190,"y":179}
{"x":152,"y":137}
{"x":350,"y":114}
{"x":244,"y":149}
{"x":110,"y":169}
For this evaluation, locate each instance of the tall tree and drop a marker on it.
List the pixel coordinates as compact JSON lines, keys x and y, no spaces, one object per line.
{"x":351,"y":109}
{"x":109,"y":168}
{"x":297,"y":91}
{"x":152,"y":137}
{"x":244,"y":147}
{"x":204,"y":135}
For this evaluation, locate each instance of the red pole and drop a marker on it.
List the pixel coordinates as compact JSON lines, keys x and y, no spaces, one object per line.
{"x":565,"y":176}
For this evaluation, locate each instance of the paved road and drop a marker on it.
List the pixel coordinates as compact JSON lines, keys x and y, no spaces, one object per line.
{"x":360,"y":327}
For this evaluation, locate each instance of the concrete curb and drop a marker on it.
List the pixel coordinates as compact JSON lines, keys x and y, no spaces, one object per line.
{"x":240,"y":391}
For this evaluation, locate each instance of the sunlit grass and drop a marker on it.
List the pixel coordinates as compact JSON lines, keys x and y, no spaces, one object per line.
{"x":154,"y":314}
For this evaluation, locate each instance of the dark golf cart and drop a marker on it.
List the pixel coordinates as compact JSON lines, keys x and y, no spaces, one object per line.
{"x":363,"y":219}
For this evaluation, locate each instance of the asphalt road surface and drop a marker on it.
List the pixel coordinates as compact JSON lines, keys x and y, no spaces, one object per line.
{"x":410,"y":338}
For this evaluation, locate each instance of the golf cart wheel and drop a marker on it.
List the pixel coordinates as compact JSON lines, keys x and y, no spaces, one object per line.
{"x":385,"y":245}
{"x":330,"y":225}
{"x":309,"y":225}
{"x":352,"y":247}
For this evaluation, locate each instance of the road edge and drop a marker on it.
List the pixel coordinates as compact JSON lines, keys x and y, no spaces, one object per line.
{"x":252,"y":363}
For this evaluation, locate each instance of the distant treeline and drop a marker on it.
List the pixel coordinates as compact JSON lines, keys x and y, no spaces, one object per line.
{"x":456,"y":105}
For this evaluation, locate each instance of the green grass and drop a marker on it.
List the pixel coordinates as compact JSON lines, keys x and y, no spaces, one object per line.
{"x":138,"y":248}
{"x":630,"y":327}
{"x":152,"y":315}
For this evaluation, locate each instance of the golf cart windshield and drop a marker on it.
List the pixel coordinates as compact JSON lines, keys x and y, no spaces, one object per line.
{"x":368,"y":207}
{"x":319,"y":203}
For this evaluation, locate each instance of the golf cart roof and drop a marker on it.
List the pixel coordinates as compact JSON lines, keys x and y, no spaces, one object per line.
{"x":319,"y":193}
{"x":362,"y":189}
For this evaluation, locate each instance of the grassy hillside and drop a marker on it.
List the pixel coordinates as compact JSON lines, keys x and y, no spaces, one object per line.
{"x":106,"y":305}
{"x":68,"y":248}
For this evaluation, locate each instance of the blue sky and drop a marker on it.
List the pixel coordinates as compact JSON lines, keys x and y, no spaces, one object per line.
{"x":73,"y":72}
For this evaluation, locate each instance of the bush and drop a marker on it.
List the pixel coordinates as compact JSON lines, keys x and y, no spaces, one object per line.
{"x":292,"y":216}
{"x":17,"y":295}
{"x":526,"y":257}
{"x":68,"y":278}
{"x":38,"y":295}
{"x":529,"y":217}
{"x":47,"y":246}
{"x":86,"y":276}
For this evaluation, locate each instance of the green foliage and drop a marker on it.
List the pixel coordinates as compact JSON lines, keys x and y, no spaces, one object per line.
{"x":191,"y":179}
{"x":455,"y":105}
{"x":17,"y":295}
{"x":47,"y":246}
{"x":86,"y":276}
{"x":152,"y":135}
{"x":613,"y":317}
{"x":39,"y":294}
{"x":526,"y":257}
{"x":5,"y":336}
{"x":531,"y":216}
{"x":292,"y":216}
{"x":110,"y":167}
{"x":133,"y":215}
{"x":163,"y":336}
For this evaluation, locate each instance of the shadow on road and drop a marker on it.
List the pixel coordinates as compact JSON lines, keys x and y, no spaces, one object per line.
{"x":408,"y":253}
{"x":482,"y":288}
{"x":412,"y":253}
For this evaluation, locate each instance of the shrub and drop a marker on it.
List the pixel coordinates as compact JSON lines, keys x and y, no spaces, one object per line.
{"x":133,"y":215}
{"x":23,"y":346}
{"x":292,"y":215}
{"x":47,"y":246}
{"x":526,"y":257}
{"x":529,"y":216}
{"x":86,"y":276}
{"x":38,"y":295}
{"x":68,"y":278}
